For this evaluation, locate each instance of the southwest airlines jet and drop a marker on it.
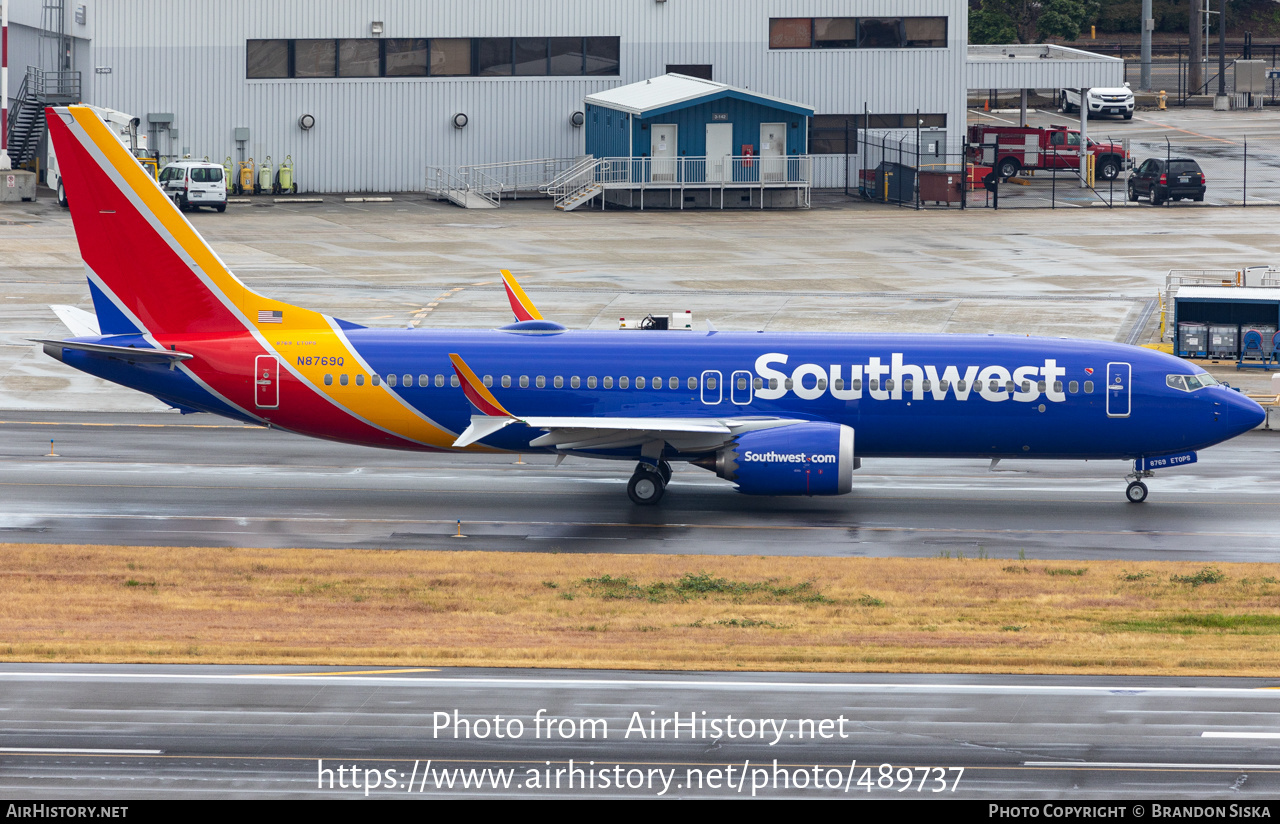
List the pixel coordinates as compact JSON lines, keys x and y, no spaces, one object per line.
{"x":778,"y":414}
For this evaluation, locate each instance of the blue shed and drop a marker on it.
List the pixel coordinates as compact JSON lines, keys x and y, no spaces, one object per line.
{"x":682,"y":131}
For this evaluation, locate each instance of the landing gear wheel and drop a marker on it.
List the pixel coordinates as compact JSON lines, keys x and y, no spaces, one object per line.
{"x":1136,"y":493}
{"x":665,"y":469}
{"x":646,"y":487}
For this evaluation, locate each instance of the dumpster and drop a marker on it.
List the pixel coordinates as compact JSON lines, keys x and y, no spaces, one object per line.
{"x":940,"y":187}
{"x":895,"y":183}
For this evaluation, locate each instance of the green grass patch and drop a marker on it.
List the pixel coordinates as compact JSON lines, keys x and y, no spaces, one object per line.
{"x":869,"y":601}
{"x":1194,"y":623}
{"x":1066,"y":571}
{"x":1141,"y":575}
{"x":1208,"y":575}
{"x":701,"y":585}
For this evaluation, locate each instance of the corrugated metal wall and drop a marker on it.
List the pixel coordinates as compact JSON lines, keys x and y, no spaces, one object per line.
{"x":379,"y":134}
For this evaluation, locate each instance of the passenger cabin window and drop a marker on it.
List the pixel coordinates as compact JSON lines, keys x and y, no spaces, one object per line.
{"x":391,"y":380}
{"x":506,"y":381}
{"x":1073,"y":387}
{"x":608,"y":382}
{"x":1088,"y":387}
{"x":359,"y":380}
{"x":342,"y":379}
{"x":453,"y":381}
{"x":328,"y":380}
{"x":591,"y":382}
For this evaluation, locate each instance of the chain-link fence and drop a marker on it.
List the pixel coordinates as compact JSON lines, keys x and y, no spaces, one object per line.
{"x":894,"y":168}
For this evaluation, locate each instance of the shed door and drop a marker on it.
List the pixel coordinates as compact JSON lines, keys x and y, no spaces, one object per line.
{"x":773,"y":151}
{"x":719,"y":151}
{"x":663,"y":151}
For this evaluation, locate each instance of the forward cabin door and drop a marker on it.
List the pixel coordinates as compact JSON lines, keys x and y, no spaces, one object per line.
{"x":719,"y":150}
{"x":662,"y":149}
{"x":773,"y":151}
{"x":1119,"y":392}
{"x":266,"y":378}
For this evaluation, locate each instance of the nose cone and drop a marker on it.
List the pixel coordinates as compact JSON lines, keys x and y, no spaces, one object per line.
{"x":1243,"y":413}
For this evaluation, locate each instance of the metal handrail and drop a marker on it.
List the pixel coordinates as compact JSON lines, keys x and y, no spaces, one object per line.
{"x":578,"y":167}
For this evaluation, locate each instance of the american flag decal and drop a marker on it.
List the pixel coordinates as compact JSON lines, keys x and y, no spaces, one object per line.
{"x":270,"y":316}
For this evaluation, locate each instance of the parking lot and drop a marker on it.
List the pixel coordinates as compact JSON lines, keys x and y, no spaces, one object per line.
{"x":1239,"y":152}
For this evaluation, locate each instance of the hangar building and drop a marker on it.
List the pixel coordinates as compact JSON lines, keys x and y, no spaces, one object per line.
{"x":366,"y":95}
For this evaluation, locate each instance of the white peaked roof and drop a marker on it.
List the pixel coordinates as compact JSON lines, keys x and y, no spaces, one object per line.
{"x":673,"y":89}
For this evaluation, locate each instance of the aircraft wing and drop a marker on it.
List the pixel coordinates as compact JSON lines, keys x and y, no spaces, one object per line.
{"x":566,"y":433}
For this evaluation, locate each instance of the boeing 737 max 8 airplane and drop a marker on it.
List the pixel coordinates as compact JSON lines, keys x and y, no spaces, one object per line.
{"x":778,"y":414}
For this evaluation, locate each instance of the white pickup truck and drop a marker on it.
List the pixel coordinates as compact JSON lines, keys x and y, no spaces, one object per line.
{"x":1100,"y":101}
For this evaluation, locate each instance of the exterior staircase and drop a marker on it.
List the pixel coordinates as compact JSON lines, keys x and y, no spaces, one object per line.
{"x":39,"y":88}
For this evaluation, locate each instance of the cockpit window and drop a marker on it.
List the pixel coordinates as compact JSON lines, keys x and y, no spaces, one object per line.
{"x":1190,"y":383}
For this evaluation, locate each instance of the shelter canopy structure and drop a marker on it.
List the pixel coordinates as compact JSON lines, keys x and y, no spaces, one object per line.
{"x":676,"y":132}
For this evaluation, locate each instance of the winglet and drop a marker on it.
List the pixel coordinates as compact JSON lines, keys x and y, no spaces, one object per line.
{"x":479,"y":395}
{"x":520,"y":303}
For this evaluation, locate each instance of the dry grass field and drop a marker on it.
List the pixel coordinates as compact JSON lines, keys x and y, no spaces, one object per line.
{"x":300,"y":606}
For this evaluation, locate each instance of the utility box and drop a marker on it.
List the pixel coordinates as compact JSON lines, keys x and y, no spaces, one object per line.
{"x":1193,"y":340}
{"x":1224,"y":341}
{"x":16,"y":184}
{"x":1251,"y":76}
{"x":940,"y":187}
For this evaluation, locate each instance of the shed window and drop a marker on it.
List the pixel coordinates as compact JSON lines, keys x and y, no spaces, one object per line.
{"x":530,"y":55}
{"x":835,"y":32}
{"x":493,"y":56}
{"x":315,"y":58}
{"x":602,"y":55}
{"x":450,"y":56}
{"x":267,"y":59}
{"x":791,"y":33}
{"x":359,"y":58}
{"x":407,"y":57}
{"x":564,"y":56}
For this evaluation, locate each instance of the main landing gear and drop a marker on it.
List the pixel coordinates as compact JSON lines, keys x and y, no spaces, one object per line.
{"x":1136,"y":492}
{"x":649,"y":482}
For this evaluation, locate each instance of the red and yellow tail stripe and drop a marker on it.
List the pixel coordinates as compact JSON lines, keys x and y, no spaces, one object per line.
{"x":163,"y":275}
{"x":479,"y":395}
{"x":520,"y":303}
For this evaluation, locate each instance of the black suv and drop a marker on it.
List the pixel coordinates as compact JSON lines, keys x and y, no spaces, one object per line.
{"x":1173,"y":178}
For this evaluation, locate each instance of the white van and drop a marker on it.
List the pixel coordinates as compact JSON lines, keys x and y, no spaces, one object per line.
{"x":195,"y":183}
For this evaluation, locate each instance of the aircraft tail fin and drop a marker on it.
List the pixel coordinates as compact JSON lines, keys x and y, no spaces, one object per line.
{"x":148,"y":268}
{"x":521,"y":305}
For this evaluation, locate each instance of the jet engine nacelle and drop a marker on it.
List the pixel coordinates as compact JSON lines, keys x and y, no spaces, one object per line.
{"x":800,"y":459}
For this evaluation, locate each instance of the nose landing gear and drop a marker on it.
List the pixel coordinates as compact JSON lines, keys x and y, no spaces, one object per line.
{"x":1136,"y":492}
{"x":649,"y":482}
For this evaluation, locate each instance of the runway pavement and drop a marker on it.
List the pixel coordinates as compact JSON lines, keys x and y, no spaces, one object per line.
{"x":164,"y":479}
{"x":133,"y":732}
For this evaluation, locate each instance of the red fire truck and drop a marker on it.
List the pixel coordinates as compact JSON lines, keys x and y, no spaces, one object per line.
{"x":1010,"y":149}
